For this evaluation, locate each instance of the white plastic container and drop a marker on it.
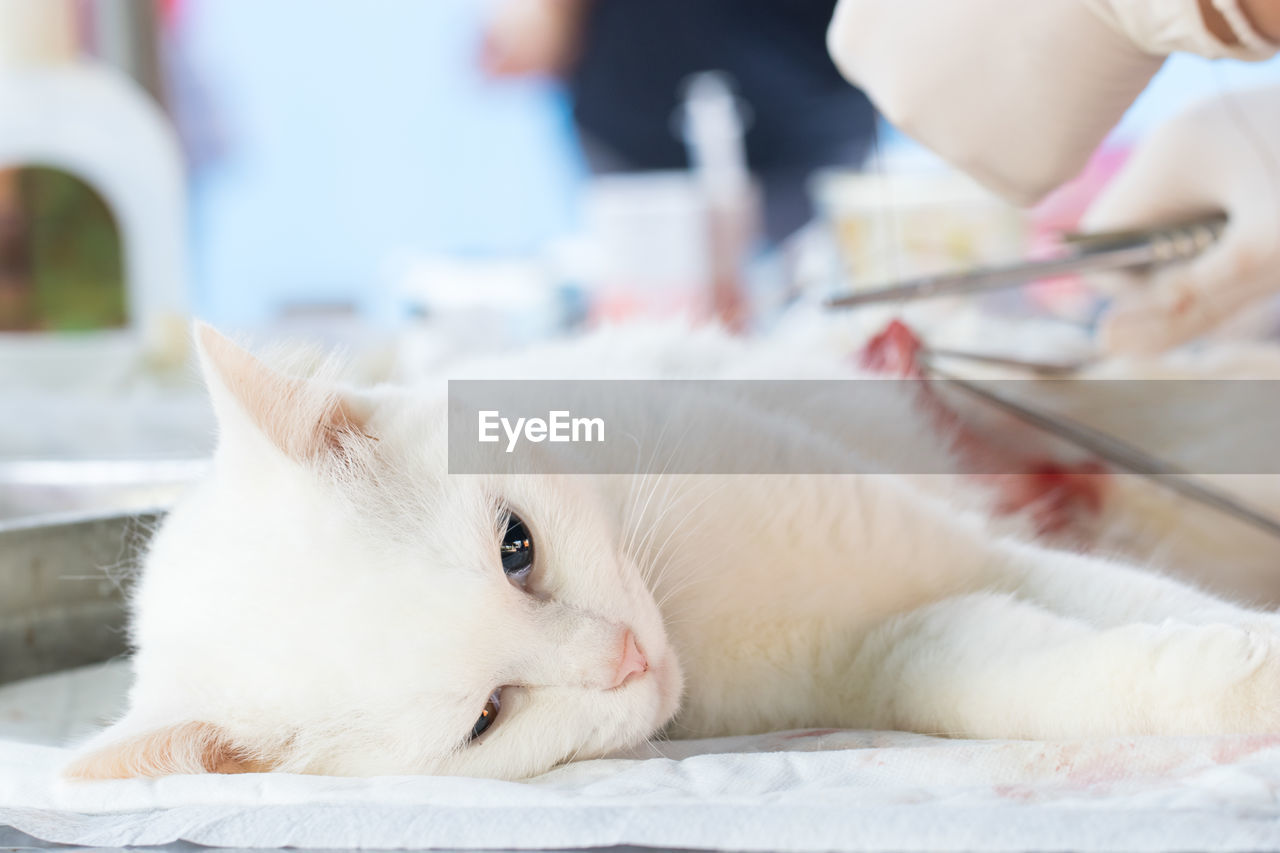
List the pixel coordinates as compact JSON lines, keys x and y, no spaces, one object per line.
{"x":896,"y":225}
{"x":651,"y":249}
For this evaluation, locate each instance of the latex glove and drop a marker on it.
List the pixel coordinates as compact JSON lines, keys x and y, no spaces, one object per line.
{"x":1222,"y":154}
{"x":1017,"y":93}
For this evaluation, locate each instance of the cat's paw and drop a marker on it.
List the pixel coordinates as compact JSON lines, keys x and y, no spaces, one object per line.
{"x":1254,"y":707}
{"x":1214,"y":679}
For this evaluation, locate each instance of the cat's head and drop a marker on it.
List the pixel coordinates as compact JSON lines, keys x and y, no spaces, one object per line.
{"x":331,"y":600}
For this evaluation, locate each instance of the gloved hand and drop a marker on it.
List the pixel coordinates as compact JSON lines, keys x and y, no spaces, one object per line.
{"x":1017,"y":93}
{"x":1222,"y":154}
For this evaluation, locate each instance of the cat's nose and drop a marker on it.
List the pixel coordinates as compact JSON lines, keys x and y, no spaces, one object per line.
{"x":632,"y":662}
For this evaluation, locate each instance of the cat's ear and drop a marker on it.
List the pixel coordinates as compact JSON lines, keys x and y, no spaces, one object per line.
{"x":179,"y":749}
{"x":304,"y":419}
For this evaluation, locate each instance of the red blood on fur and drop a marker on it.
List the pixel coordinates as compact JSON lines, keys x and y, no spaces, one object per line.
{"x":895,"y":351}
{"x":1058,"y":496}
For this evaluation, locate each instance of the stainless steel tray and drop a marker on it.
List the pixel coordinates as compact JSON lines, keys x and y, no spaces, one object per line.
{"x":62,"y":587}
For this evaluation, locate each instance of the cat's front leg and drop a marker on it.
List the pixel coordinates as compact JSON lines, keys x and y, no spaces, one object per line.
{"x":1109,"y":593}
{"x":993,"y":666}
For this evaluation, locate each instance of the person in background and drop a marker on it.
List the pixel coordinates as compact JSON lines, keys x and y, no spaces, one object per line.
{"x":624,"y":63}
{"x":1018,"y":93}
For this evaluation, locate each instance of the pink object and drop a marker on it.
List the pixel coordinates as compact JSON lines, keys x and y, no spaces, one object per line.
{"x":633,"y":660}
{"x":1069,"y":297}
{"x":1061,"y":209}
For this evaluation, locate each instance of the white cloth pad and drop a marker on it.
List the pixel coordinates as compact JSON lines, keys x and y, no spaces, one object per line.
{"x":797,"y":791}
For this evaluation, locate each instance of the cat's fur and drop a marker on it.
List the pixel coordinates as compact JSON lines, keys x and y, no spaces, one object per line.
{"x":329,"y":600}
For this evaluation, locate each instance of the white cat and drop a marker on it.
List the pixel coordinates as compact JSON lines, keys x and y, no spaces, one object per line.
{"x":330,"y":600}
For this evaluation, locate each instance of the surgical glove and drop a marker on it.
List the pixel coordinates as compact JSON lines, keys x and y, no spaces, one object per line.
{"x":1222,"y":154}
{"x":1017,"y":93}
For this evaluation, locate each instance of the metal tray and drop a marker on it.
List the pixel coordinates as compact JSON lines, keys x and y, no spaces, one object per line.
{"x":62,"y":589}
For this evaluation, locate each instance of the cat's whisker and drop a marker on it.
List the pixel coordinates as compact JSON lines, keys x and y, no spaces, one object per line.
{"x":659,"y":562}
{"x":633,"y":491}
{"x":635,"y":543}
{"x":657,"y":446}
{"x":661,"y":476}
{"x":577,"y":752}
{"x":668,"y":564}
{"x":652,"y":527}
{"x":648,"y":473}
{"x":653,"y":747}
{"x":645,"y":485}
{"x":689,"y":582}
{"x":669,"y":506}
{"x":684,"y":587}
{"x":677,"y":528}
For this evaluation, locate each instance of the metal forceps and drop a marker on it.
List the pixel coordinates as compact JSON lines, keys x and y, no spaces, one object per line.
{"x":1082,"y":253}
{"x":1110,"y":449}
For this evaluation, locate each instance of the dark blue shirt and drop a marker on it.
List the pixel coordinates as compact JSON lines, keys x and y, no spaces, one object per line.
{"x":635,"y":55}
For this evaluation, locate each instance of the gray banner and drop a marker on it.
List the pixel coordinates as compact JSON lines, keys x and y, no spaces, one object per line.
{"x":856,"y":426}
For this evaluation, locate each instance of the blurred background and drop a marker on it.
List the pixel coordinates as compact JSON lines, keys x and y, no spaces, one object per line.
{"x":414,"y":179}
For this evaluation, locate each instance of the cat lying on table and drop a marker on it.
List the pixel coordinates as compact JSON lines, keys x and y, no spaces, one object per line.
{"x":329,"y":600}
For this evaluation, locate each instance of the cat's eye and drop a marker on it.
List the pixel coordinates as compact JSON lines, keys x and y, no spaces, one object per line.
{"x":517,"y":549}
{"x":489,"y":715}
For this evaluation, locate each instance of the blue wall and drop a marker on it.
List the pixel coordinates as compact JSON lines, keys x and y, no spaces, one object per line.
{"x":352,"y":132}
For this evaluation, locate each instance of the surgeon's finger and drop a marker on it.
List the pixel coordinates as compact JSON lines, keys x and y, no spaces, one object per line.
{"x":1119,"y":284}
{"x":1179,"y":303}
